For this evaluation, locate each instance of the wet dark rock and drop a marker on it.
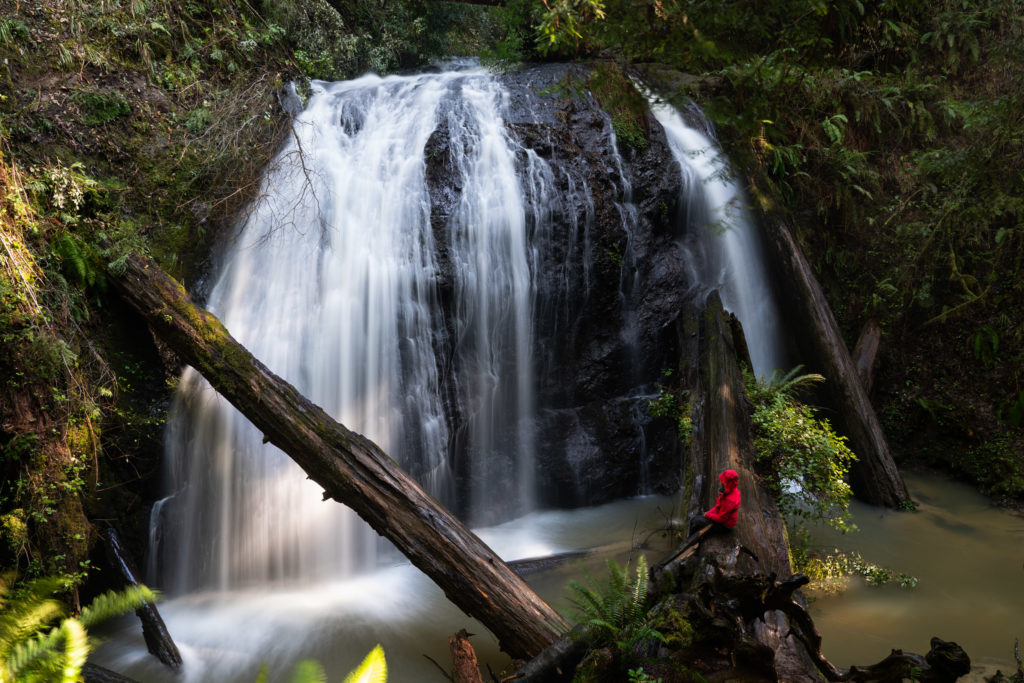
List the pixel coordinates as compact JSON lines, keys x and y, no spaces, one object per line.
{"x":611,"y":279}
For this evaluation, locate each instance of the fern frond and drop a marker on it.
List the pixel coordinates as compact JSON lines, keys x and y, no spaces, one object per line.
{"x":34,"y":653}
{"x":76,"y":649}
{"x":790,"y":382}
{"x":116,"y":603}
{"x":374,"y":669}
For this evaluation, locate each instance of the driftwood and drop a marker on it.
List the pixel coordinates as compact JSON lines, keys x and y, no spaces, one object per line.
{"x":865,"y":353}
{"x":154,"y":631}
{"x":351,"y":468}
{"x":465,"y":667}
{"x":725,"y":600}
{"x":874,"y":477}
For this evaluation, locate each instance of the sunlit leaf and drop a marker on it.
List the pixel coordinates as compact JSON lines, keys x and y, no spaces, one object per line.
{"x":374,"y":669}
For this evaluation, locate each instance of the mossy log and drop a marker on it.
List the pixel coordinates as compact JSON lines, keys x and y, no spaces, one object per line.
{"x":874,"y":478}
{"x":351,"y":468}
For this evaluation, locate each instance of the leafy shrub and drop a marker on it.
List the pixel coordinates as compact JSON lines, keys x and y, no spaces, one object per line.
{"x":804,"y":461}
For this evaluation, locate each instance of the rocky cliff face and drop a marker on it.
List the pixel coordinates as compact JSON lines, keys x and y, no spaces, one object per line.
{"x":610,"y":278}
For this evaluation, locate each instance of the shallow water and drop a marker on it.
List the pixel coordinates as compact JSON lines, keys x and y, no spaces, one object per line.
{"x":969,"y":558}
{"x":967,"y":555}
{"x":227,"y":636}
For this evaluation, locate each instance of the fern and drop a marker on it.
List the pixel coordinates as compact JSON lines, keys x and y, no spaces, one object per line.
{"x":27,"y":653}
{"x":374,"y":669}
{"x":617,"y":610}
{"x":790,"y":382}
{"x":115,"y":603}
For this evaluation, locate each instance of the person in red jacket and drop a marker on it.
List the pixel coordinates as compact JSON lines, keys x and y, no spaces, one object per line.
{"x":727,"y":507}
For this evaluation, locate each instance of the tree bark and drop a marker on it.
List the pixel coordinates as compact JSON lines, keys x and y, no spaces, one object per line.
{"x":874,"y":478}
{"x":154,"y":631}
{"x":757,"y":546}
{"x":865,"y":352}
{"x":465,"y":667}
{"x":351,"y":468}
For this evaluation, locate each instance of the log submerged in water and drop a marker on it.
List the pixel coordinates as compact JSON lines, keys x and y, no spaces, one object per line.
{"x":874,"y":478}
{"x":154,"y":631}
{"x":351,"y":468}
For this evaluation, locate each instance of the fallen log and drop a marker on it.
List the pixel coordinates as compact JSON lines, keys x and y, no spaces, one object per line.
{"x":92,"y":673}
{"x":154,"y":631}
{"x":351,"y":468}
{"x":874,"y":478}
{"x":865,"y":352}
{"x":558,"y":661}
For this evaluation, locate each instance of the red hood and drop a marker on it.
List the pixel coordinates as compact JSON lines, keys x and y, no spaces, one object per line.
{"x":729,"y":479}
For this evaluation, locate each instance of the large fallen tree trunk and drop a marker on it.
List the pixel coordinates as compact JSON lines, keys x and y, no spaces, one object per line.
{"x":874,"y":477}
{"x":351,"y":468}
{"x":730,"y":582}
{"x":758,"y":545}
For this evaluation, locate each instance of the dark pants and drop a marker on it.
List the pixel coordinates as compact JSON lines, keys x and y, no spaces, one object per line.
{"x":698,"y":522}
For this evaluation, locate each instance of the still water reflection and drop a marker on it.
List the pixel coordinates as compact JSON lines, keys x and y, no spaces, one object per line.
{"x":969,"y":558}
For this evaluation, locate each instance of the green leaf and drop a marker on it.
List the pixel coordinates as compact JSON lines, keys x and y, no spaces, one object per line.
{"x":374,"y":669}
{"x":309,"y":671}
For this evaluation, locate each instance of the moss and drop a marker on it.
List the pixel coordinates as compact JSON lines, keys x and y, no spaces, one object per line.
{"x":101,"y":107}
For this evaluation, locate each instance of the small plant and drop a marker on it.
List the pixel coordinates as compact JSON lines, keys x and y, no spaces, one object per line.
{"x":373,"y":669}
{"x":616,"y":610}
{"x":668,"y":405}
{"x":638,"y":675}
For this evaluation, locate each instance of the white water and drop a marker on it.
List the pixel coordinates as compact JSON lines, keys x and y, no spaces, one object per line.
{"x":227,"y":636}
{"x":333,"y":285}
{"x":723,"y":238}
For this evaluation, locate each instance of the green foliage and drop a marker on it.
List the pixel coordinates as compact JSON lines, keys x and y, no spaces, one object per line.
{"x":629,"y":133}
{"x":670,"y":406}
{"x":101,"y":107}
{"x":831,"y":573}
{"x":804,"y":462}
{"x":32,"y":651}
{"x":616,"y":609}
{"x":638,"y":675}
{"x":373,"y":669}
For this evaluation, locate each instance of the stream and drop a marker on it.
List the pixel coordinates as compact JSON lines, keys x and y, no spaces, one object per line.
{"x":228,"y":635}
{"x":969,"y":559}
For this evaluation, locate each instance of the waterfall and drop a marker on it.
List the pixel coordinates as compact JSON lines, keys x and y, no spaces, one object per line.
{"x":333,"y":283}
{"x":723,"y":238}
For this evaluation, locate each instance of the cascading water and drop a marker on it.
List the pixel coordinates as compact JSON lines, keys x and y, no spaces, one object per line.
{"x":724,"y":241}
{"x":333,"y":284}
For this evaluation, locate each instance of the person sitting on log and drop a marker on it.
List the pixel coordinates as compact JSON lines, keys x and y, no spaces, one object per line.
{"x":725,"y":513}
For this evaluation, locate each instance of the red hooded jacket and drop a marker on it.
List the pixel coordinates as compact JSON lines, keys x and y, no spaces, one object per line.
{"x":727,"y":506}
